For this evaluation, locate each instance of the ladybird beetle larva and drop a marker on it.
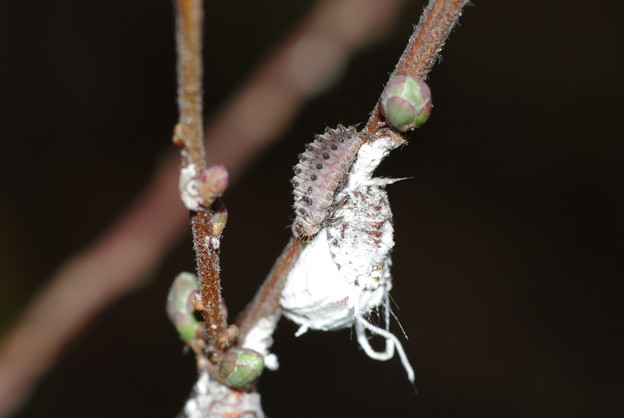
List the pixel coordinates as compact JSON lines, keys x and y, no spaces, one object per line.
{"x":319,"y":174}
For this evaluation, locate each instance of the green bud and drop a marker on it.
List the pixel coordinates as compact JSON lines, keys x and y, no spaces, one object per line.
{"x":240,"y":368}
{"x":406,"y":102}
{"x":218,"y":220}
{"x":180,"y":306}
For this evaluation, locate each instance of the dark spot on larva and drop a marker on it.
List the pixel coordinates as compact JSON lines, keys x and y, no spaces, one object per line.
{"x":317,"y":181}
{"x":295,"y":183}
{"x":335,"y":242}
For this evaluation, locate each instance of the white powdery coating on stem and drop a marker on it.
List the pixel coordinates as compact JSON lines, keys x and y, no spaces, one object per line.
{"x":260,"y":339}
{"x":370,"y":155}
{"x":189,"y":187}
{"x":212,"y":399}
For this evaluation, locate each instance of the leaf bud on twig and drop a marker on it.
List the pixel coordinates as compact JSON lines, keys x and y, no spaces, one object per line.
{"x":218,"y":220}
{"x":212,"y":183}
{"x":406,"y":102}
{"x":240,"y":368}
{"x":180,"y":306}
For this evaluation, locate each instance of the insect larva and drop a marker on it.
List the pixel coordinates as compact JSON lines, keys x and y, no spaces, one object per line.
{"x":319,"y":174}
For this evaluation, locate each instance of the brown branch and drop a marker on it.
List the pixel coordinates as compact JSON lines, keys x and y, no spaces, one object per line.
{"x":189,"y":136}
{"x":189,"y":132}
{"x":267,"y":299}
{"x":207,"y":253}
{"x":423,"y":48}
{"x":299,"y":68}
{"x":425,"y":44}
{"x":421,"y":52}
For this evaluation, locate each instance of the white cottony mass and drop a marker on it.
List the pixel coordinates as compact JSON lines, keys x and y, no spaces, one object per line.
{"x":343,"y":273}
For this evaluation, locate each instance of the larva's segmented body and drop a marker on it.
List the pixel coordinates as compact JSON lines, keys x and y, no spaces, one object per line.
{"x":319,"y":174}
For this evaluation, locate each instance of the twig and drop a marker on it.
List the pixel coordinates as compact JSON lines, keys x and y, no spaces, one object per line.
{"x":266,"y":301}
{"x":189,"y":136}
{"x":434,"y":27}
{"x":207,"y":255}
{"x":423,"y":48}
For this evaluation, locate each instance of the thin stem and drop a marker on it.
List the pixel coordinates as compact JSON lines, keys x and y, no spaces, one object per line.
{"x":189,"y":20}
{"x":423,"y":48}
{"x":436,"y":24}
{"x":189,"y":137}
{"x":266,"y":302}
{"x":207,"y":253}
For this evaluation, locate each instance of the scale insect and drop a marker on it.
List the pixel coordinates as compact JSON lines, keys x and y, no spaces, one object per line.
{"x":343,"y":273}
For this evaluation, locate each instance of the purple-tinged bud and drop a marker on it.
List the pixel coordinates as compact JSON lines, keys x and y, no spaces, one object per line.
{"x":406,"y":102}
{"x":212,"y":183}
{"x":218,"y":220}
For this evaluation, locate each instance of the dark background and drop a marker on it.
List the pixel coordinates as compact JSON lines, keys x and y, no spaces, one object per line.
{"x":509,"y":234}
